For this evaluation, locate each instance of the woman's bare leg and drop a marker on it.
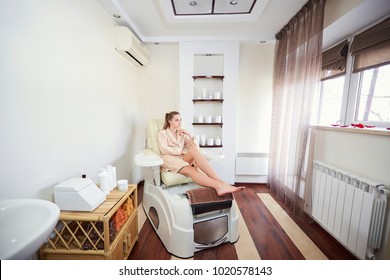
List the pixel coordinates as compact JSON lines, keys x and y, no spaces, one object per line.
{"x":203,"y":180}
{"x":194,"y":154}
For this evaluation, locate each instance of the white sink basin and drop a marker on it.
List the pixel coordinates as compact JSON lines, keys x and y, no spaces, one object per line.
{"x":25,"y":225}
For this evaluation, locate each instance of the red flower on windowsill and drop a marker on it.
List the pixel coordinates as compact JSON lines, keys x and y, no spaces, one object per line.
{"x":338,"y":125}
{"x":359,"y":125}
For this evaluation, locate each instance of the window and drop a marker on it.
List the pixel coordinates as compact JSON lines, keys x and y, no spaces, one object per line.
{"x":355,"y":85}
{"x":374,"y":95}
{"x":330,"y":99}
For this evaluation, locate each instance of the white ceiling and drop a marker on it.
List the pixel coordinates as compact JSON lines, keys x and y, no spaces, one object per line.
{"x":155,"y":21}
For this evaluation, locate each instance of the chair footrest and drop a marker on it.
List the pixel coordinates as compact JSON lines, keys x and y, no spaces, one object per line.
{"x":204,"y":200}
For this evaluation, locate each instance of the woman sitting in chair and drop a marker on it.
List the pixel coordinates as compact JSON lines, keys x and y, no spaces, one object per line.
{"x":182,"y":155}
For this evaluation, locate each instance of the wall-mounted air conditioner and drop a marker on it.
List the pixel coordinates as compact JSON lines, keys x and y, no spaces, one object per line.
{"x":128,"y":45}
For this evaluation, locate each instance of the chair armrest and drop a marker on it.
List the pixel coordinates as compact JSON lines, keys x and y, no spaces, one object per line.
{"x":148,"y":158}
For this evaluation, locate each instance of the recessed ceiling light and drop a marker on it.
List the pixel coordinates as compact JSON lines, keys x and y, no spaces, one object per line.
{"x":233,"y":2}
{"x":116,"y":16}
{"x":193,"y":3}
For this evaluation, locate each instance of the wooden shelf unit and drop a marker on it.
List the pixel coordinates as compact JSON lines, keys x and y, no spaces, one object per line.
{"x":208,"y":77}
{"x":207,"y":100}
{"x":108,"y":232}
{"x":203,"y":123}
{"x":211,"y":106}
{"x":209,"y":146}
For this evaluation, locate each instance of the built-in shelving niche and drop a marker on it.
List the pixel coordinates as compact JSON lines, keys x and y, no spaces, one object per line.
{"x":208,"y":98}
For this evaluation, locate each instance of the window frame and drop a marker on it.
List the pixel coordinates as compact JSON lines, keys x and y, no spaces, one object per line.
{"x":350,"y":98}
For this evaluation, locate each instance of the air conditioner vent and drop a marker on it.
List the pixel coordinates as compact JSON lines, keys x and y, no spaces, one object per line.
{"x":128,"y":45}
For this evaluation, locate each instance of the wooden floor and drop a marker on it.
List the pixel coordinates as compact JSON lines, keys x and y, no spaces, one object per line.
{"x":268,"y":236}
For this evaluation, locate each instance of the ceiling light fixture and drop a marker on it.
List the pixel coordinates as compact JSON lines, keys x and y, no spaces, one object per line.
{"x":212,"y":7}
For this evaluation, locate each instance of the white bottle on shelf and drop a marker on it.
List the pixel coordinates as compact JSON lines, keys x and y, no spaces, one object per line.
{"x":104,"y":181}
{"x":110,"y":175}
{"x":204,"y":93}
{"x":114,"y":182}
{"x":203,"y":140}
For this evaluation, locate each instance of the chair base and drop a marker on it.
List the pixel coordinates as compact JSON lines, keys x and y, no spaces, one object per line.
{"x":182,"y":233}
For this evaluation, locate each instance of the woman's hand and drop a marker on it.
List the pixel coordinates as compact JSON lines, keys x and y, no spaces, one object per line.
{"x":191,"y":141}
{"x":180,"y":132}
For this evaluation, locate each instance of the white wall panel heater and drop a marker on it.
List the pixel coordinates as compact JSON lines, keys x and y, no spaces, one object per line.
{"x":252,"y":164}
{"x":350,"y":207}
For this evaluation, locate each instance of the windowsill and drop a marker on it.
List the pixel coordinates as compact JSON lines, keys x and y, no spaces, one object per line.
{"x":372,"y":131}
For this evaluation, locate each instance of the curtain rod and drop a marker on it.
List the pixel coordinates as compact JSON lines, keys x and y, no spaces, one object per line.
{"x":294,"y":19}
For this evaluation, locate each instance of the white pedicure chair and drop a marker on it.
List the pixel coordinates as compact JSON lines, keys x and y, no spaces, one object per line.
{"x":183,"y":228}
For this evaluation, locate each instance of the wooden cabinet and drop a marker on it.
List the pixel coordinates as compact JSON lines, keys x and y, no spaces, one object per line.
{"x":108,"y":232}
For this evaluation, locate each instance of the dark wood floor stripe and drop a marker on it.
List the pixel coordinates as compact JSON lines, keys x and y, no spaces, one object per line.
{"x":270,"y":239}
{"x":309,"y":250}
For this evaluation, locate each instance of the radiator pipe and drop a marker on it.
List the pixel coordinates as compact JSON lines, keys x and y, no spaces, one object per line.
{"x":383,"y":189}
{"x":370,"y":256}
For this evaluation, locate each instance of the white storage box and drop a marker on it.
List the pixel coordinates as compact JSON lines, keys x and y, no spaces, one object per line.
{"x":78,"y":194}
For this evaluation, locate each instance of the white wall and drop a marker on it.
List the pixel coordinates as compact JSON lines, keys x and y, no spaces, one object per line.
{"x":68,"y":101}
{"x":160,"y":81}
{"x":335,"y":9}
{"x":254,"y":106}
{"x":159,"y":93}
{"x":254,"y":110}
{"x":365,"y":154}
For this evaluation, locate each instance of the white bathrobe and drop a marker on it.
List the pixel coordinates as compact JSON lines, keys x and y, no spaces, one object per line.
{"x":172,"y":150}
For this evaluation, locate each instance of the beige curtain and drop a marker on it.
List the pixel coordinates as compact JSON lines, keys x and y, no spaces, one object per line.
{"x":297,"y":65}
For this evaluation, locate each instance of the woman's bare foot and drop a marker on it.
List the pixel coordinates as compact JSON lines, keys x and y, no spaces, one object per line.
{"x":225,"y":189}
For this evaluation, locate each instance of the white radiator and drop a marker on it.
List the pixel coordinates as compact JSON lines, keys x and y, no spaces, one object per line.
{"x":252,"y":164}
{"x":350,"y":207}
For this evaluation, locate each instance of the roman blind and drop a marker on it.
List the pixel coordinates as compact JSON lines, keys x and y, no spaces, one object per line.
{"x":334,"y":61}
{"x":371,"y":48}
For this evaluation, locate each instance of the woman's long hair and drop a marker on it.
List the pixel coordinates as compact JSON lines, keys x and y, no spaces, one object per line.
{"x":169,"y":116}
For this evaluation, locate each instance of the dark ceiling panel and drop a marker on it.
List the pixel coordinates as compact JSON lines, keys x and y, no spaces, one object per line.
{"x":212,"y":7}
